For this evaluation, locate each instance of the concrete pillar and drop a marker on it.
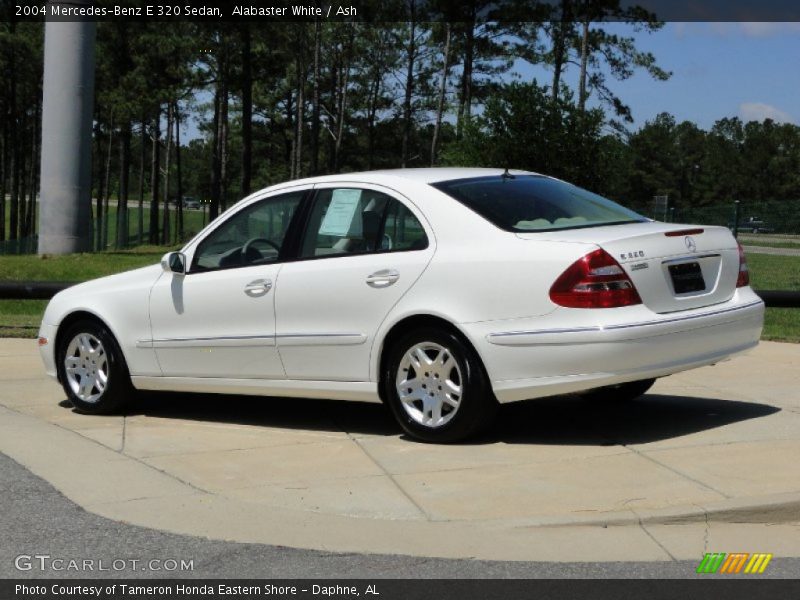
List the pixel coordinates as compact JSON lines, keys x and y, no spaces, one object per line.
{"x":65,"y":213}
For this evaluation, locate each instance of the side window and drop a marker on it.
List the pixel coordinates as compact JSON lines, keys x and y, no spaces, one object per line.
{"x":252,"y":236}
{"x":358,"y":221}
{"x":402,"y":230}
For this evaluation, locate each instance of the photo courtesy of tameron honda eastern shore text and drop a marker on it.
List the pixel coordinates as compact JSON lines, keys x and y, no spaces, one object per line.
{"x":441,"y":292}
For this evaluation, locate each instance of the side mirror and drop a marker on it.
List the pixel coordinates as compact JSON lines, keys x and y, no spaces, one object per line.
{"x":174,"y":262}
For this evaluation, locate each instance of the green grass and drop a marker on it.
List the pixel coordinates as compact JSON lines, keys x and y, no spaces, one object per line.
{"x":20,"y":318}
{"x":782,"y":325}
{"x":768,"y":272}
{"x":77,"y":267}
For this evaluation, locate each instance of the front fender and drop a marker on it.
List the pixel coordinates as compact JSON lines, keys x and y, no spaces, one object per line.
{"x":122,"y":303}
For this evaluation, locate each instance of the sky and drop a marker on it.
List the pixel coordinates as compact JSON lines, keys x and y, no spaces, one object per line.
{"x":749,"y":70}
{"x":745,"y":70}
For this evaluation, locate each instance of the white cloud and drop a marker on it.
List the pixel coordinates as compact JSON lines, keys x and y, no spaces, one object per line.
{"x":748,"y":29}
{"x":723,"y":28}
{"x":762,"y":29}
{"x":681,"y":30}
{"x":758,"y":111}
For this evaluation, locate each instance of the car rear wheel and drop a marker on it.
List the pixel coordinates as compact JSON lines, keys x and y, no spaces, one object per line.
{"x":623,"y":392}
{"x":436,"y":387}
{"x":92,"y":369}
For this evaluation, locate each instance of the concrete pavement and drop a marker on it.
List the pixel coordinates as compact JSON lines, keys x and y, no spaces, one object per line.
{"x":47,"y":523}
{"x":705,"y":462}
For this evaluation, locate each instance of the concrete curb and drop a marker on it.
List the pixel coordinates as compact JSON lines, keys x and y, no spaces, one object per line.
{"x":126,"y":489}
{"x":770,"y":508}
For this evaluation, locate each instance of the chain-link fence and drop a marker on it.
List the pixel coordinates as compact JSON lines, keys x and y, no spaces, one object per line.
{"x":776,"y":217}
{"x":781,"y":218}
{"x":26,"y":245}
{"x":194,"y":219}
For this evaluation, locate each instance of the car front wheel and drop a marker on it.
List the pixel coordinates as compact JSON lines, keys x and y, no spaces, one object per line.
{"x":92,"y":369}
{"x":436,"y":387}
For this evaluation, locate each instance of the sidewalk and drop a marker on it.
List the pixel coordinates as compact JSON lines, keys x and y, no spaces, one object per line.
{"x":669,"y":476}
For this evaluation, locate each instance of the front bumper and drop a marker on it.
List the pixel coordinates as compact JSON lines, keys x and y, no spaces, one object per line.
{"x":48,"y":350}
{"x":571,"y":350}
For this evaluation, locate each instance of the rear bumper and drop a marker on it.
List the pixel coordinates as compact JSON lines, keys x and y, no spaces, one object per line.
{"x":570,"y":350}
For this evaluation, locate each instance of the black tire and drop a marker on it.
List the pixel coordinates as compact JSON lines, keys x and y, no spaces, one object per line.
{"x":622,"y":392}
{"x":476,"y":402}
{"x":117,"y":390}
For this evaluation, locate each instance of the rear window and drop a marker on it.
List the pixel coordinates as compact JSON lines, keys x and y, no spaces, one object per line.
{"x":535,"y":203}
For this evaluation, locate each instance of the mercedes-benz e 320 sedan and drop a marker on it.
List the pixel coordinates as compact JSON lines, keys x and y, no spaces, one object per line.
{"x":441,"y":292}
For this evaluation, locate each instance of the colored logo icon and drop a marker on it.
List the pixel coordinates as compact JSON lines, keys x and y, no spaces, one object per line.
{"x":734,"y":563}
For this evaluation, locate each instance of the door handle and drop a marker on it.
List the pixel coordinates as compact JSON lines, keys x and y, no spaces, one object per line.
{"x":257,"y":288}
{"x":383,"y":278}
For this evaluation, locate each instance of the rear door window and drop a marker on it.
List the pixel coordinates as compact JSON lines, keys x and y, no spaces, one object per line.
{"x":346,"y":221}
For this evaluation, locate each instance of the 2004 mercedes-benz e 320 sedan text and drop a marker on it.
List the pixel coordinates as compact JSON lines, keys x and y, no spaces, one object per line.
{"x":442,"y":292}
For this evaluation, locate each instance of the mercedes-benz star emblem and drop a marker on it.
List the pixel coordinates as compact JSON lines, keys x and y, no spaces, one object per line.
{"x":689,"y":241}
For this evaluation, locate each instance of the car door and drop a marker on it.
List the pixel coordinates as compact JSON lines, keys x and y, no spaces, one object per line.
{"x":218,"y":320}
{"x":363,"y":247}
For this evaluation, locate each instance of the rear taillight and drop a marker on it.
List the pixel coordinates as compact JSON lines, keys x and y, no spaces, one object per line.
{"x":594,"y":281}
{"x":744,"y":275}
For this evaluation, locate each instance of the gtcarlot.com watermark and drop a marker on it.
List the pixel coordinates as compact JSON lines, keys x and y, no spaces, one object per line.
{"x":48,"y":563}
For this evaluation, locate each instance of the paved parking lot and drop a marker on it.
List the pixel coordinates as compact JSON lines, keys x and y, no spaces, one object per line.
{"x":705,"y":462}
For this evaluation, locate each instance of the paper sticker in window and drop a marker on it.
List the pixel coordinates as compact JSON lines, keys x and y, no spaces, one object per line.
{"x":340,"y":218}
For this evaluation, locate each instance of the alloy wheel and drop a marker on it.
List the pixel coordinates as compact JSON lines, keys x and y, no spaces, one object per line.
{"x":86,"y":367}
{"x":429,"y":384}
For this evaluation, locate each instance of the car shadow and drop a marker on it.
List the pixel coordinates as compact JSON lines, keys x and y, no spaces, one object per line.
{"x":574,"y":421}
{"x":290,"y":413}
{"x":561,"y":420}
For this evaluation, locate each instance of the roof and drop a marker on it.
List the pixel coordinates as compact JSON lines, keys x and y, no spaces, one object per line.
{"x":435,"y":174}
{"x":428,"y":175}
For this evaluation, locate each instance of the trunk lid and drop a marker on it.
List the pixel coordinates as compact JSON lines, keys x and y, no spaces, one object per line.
{"x":674,"y":267}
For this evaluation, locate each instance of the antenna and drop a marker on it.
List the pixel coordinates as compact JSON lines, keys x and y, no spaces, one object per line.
{"x":507,"y":175}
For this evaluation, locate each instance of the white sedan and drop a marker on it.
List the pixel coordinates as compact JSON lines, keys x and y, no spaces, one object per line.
{"x":441,"y":292}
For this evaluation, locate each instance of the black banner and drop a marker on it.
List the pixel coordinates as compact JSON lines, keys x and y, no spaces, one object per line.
{"x":279,"y":11}
{"x":392,"y":589}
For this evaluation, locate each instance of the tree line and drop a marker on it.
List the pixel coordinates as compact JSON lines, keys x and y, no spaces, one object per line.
{"x":733,"y":160}
{"x":275,"y":102}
